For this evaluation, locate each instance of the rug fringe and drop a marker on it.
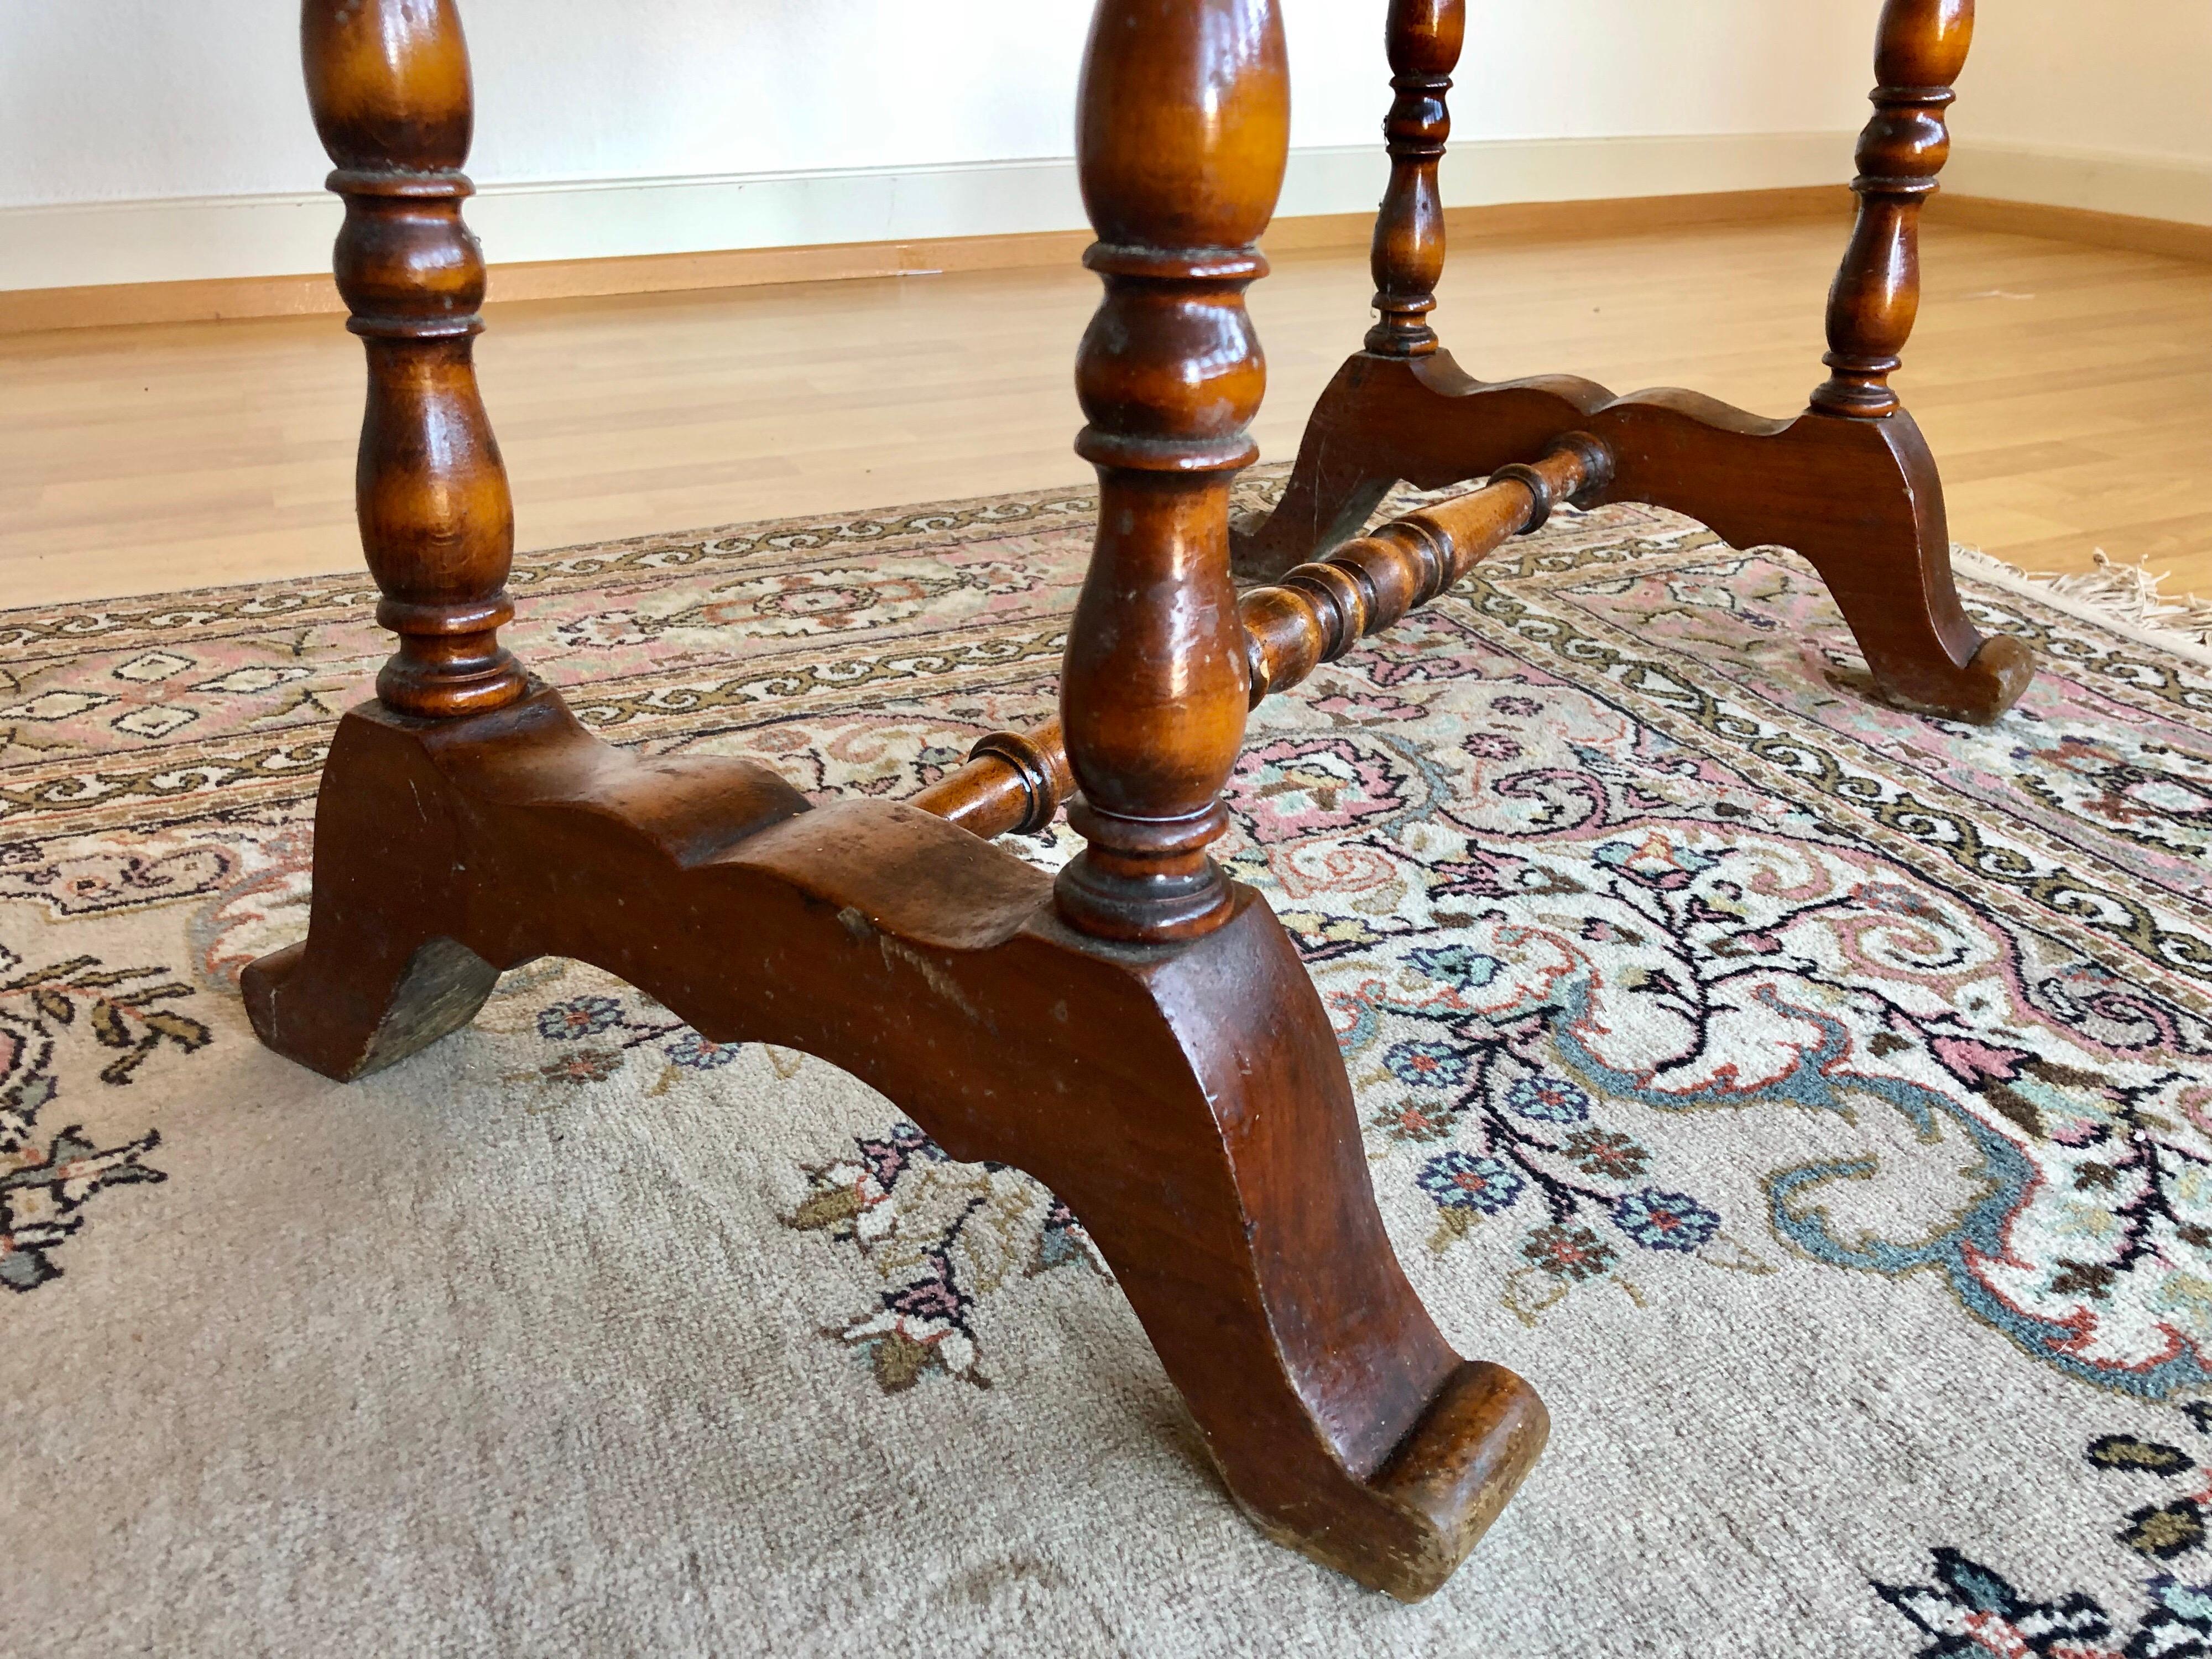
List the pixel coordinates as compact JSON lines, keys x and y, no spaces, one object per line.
{"x":2114,"y":592}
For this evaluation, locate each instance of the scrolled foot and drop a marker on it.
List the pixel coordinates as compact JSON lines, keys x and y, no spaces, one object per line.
{"x":343,"y":1019}
{"x":1340,"y":1418}
{"x":1448,"y":1480}
{"x":1993,"y":680}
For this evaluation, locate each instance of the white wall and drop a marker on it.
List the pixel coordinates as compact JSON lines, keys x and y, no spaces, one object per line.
{"x":2099,"y":104}
{"x":2131,"y":77}
{"x":147,"y":139}
{"x":113,"y":100}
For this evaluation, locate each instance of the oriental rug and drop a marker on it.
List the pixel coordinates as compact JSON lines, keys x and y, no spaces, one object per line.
{"x":1814,"y":1100}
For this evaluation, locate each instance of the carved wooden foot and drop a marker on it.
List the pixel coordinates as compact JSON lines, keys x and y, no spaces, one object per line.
{"x":1187,"y":1100}
{"x":1859,"y":499}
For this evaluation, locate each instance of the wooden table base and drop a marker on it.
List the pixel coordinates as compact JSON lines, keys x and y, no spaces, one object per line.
{"x":1185,"y":1099}
{"x":1849,"y":484}
{"x":1139,"y":1032}
{"x":1859,"y":499}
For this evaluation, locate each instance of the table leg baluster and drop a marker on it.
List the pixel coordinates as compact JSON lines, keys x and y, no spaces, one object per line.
{"x":1423,"y":39}
{"x":1181,"y":139}
{"x":1876,"y":296}
{"x":389,"y":87}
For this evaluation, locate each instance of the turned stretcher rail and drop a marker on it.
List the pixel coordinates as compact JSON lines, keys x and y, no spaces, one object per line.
{"x":1017,"y":782}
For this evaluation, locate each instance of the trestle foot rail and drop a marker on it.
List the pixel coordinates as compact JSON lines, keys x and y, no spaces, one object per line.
{"x":1850,"y":483}
{"x":1140,"y":1034}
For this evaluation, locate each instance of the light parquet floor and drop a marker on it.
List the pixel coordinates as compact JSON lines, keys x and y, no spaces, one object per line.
{"x":2066,"y":390}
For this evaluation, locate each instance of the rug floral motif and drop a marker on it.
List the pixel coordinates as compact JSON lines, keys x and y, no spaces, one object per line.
{"x":944,"y":1236}
{"x":1970,"y":1609}
{"x":1659,"y":955}
{"x":120,"y":1016}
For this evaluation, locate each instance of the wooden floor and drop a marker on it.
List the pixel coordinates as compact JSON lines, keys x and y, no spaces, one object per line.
{"x":2066,"y":390}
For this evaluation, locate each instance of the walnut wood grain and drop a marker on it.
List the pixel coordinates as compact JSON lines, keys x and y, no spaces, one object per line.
{"x":1200,"y":1121}
{"x":1182,"y":133}
{"x":1424,"y":38}
{"x":1921,"y":48}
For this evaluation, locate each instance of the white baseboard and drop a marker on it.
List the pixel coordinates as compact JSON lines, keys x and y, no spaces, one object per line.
{"x":185,"y":239}
{"x":2096,"y":181}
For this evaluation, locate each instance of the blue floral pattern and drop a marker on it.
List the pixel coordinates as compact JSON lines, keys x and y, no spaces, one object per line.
{"x":1538,"y":964}
{"x":610,"y":1029}
{"x":1457,"y":965}
{"x":1547,"y":1099}
{"x":702,"y":1054}
{"x":579,"y":1016}
{"x":1459,"y":1180}
{"x":1665,"y":1221}
{"x":1427,"y":1065}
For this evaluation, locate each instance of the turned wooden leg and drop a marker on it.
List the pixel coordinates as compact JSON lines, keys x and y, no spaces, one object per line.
{"x":1324,"y":1391}
{"x":389,"y":87}
{"x":1331,"y":494}
{"x":388,"y":83}
{"x":1423,"y":39}
{"x":1182,"y":133}
{"x":1876,"y":295}
{"x":1143,"y":1037}
{"x":1897,"y":592}
{"x":1019,"y":781}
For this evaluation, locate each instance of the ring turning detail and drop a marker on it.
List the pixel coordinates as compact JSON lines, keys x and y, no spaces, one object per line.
{"x":1016,"y":783}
